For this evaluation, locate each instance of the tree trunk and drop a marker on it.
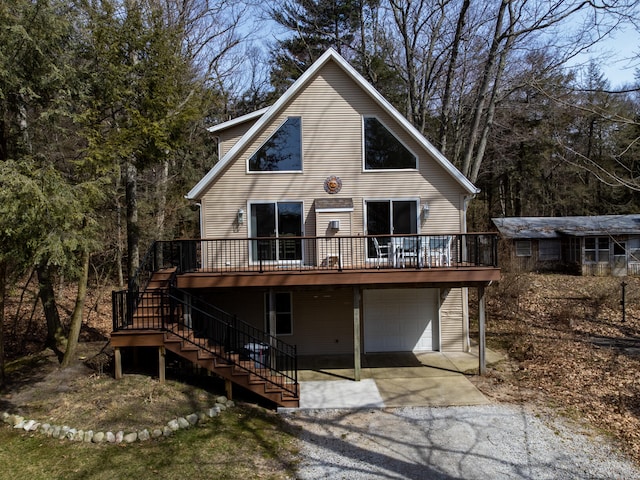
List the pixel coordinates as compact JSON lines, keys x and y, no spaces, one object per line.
{"x":481,"y":100}
{"x":78,"y":309}
{"x":133,"y":233}
{"x":3,"y":290}
{"x":161,"y":200}
{"x":453,"y":60}
{"x":55,"y":334}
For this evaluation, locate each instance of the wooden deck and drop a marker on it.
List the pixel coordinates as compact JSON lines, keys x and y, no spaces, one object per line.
{"x":449,"y":277}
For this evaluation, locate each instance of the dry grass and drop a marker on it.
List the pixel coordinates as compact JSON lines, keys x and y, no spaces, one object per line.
{"x":568,"y":348}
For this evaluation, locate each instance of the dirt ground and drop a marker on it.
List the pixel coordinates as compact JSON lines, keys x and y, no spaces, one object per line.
{"x":568,"y":351}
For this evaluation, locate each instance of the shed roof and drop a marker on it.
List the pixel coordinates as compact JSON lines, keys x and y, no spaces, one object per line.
{"x":554,"y":227}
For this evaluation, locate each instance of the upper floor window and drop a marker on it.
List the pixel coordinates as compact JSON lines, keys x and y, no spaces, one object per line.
{"x":382,"y":150}
{"x":282,"y":152}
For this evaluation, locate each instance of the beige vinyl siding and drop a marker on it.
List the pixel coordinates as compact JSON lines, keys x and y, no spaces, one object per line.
{"x":322,"y":318}
{"x":322,"y":321}
{"x":331,"y":109}
{"x":229,"y":137}
{"x":452,"y":332}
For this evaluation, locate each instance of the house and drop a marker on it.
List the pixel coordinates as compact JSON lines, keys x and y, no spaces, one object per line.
{"x":329,"y":224}
{"x":588,"y":245}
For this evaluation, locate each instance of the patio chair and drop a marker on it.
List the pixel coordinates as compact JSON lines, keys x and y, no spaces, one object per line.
{"x":439,"y":251}
{"x":382,"y":251}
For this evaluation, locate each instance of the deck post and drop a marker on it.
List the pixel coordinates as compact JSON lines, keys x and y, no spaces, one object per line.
{"x":356,"y":334}
{"x":161,"y":364}
{"x":481,"y":331}
{"x":118,"y":363}
{"x":228,"y":388}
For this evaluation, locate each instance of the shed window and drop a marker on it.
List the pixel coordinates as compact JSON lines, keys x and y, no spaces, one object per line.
{"x":523,"y":248}
{"x":382,"y":150}
{"x":596,"y":249}
{"x":633,"y":245}
{"x":549,"y":249}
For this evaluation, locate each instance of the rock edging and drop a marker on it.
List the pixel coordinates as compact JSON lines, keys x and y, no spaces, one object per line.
{"x":64,"y":432}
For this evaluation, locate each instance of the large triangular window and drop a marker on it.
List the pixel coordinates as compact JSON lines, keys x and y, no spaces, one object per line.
{"x":382,"y":150}
{"x":282,"y":152}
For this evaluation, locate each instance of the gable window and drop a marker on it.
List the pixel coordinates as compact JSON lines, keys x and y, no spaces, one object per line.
{"x":282,"y":152}
{"x":390,"y":217}
{"x":523,"y":248}
{"x":383,"y":150}
{"x":596,"y":249}
{"x":284,"y":314}
{"x":273,"y":223}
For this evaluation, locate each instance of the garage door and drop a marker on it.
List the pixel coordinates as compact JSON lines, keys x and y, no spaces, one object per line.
{"x":401,"y":320}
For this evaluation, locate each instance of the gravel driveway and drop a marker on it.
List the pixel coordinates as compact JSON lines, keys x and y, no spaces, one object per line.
{"x":477,"y":442}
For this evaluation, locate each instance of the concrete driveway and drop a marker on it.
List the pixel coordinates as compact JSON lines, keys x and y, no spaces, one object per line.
{"x":391,"y":380}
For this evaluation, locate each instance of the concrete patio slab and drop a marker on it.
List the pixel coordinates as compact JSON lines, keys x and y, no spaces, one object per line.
{"x":394,"y":380}
{"x":340,"y":394}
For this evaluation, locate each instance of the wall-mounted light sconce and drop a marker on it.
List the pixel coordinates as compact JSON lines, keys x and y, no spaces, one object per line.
{"x":424,"y":213}
{"x":240,"y":216}
{"x":334,"y":224}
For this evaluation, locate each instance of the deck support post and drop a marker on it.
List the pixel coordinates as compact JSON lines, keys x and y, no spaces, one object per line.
{"x":228,"y":388}
{"x":161,"y":364}
{"x":118,"y":363}
{"x":481,"y":331}
{"x":356,"y":334}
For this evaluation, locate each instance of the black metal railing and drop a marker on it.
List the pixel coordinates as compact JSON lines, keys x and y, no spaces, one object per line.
{"x":210,"y":329}
{"x":259,"y":255}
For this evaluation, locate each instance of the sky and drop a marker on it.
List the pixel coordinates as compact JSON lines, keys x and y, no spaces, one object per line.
{"x":621,"y":65}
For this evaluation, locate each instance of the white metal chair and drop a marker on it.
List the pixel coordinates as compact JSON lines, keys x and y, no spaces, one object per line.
{"x":439,"y":250}
{"x":382,"y":251}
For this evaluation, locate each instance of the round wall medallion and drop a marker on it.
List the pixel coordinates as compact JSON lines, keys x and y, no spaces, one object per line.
{"x":332,"y":184}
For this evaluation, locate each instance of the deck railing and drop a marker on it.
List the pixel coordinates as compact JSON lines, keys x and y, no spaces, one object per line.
{"x":210,"y":329}
{"x":260,"y":255}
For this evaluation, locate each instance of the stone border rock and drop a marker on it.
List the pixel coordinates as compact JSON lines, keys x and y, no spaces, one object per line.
{"x":88,"y":436}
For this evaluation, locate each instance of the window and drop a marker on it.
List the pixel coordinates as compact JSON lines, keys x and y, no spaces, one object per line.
{"x":284,"y":315}
{"x":596,"y":249}
{"x":549,"y":249}
{"x":634,"y":249}
{"x":282,"y":152}
{"x":277,"y":220}
{"x":382,"y":150}
{"x":523,"y":248}
{"x":390,"y":217}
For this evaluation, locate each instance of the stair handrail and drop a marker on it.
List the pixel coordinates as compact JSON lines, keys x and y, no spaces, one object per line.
{"x":278,"y":367}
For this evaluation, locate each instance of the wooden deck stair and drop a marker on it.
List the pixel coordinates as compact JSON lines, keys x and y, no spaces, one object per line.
{"x":182,"y":342}
{"x":239,"y":371}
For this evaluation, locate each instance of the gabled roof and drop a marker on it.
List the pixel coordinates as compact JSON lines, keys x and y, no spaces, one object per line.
{"x":238,"y":120}
{"x":555,"y":227}
{"x":265,"y":116}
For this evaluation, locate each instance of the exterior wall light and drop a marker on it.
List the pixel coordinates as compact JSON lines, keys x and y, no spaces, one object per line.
{"x":425,"y":211}
{"x":240,"y":216}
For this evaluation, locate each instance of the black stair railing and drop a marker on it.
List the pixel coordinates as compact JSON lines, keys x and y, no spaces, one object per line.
{"x":212,"y":330}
